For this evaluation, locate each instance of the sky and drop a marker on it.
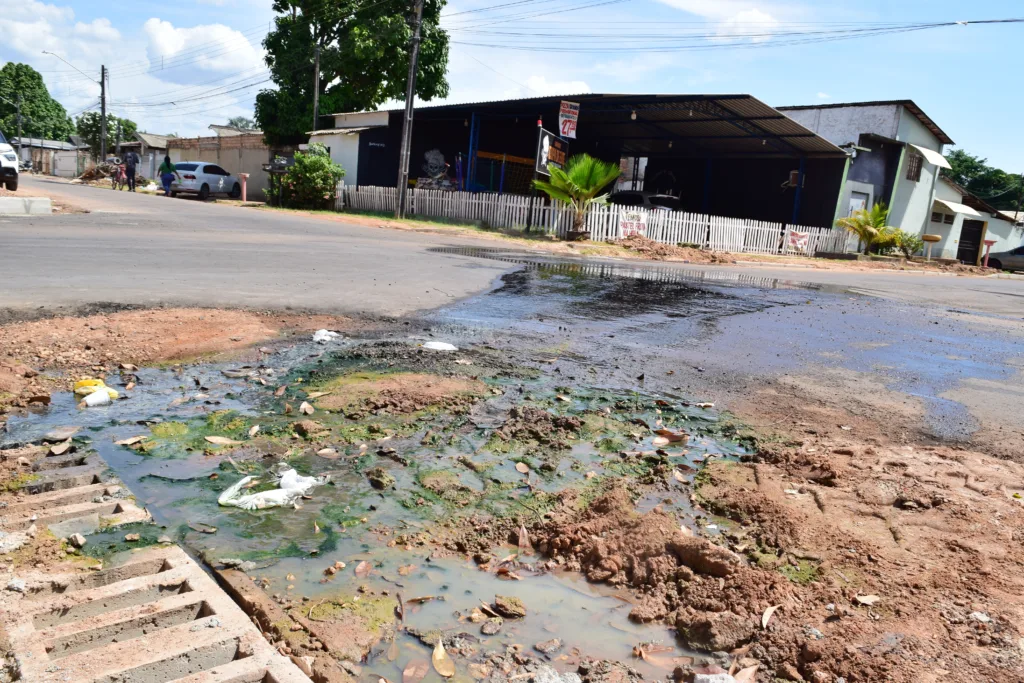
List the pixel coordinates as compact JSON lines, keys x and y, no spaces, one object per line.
{"x":209,"y":54}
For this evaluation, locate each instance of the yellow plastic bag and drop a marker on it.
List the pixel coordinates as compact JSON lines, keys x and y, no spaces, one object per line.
{"x":87,"y":386}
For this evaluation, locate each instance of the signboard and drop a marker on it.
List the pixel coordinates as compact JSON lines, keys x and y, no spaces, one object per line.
{"x":550,"y":150}
{"x":632,"y":223}
{"x":568,"y":116}
{"x":798,"y":240}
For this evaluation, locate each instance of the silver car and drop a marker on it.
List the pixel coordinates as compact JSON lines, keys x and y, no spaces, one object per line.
{"x":203,"y":179}
{"x":1007,"y":260}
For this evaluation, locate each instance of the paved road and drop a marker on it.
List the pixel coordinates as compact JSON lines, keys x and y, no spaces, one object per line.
{"x":143,"y":249}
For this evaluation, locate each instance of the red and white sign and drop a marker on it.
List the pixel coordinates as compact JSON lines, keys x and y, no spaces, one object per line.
{"x":632,"y":223}
{"x":568,"y":116}
{"x":798,"y":240}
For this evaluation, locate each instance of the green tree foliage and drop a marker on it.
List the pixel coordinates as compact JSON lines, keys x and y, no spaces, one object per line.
{"x":1000,"y":189}
{"x":312,"y":181}
{"x":241,"y":122}
{"x":41,"y":115}
{"x":364,"y":60}
{"x":88,"y":126}
{"x":578,"y":184}
{"x":872,"y":228}
{"x":907,"y":242}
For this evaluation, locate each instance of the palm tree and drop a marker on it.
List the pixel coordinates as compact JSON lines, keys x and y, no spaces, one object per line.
{"x":578,"y":184}
{"x":870,"y":227}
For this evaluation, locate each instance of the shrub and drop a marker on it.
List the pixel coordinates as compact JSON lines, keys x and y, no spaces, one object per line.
{"x":907,"y":242}
{"x":312,"y":181}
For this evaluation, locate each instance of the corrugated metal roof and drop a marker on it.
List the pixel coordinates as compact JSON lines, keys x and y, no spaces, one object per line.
{"x":153,"y":140}
{"x":45,"y":144}
{"x":733,"y":124}
{"x":910,"y":105}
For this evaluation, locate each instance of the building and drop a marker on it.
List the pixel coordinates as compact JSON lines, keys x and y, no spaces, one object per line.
{"x":151,"y":149}
{"x":54,"y":157}
{"x":964,"y":222}
{"x":244,"y":153}
{"x":896,"y":156}
{"x":727,"y":155}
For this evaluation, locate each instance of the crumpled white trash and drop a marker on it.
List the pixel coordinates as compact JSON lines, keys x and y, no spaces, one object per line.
{"x":440,"y":346}
{"x":324,"y":336}
{"x":291,"y":487}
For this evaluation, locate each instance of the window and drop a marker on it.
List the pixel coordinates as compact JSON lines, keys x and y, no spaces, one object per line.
{"x":665,"y":201}
{"x":213,"y":169}
{"x":1019,"y":251}
{"x":3,"y":140}
{"x":936,"y":216}
{"x":948,"y":218}
{"x":626,"y":199}
{"x":914,"y":164}
{"x":186,"y":167}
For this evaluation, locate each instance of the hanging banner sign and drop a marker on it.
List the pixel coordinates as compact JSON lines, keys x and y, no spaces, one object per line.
{"x":798,"y":240}
{"x":550,"y":150}
{"x":568,"y":116}
{"x":632,"y":223}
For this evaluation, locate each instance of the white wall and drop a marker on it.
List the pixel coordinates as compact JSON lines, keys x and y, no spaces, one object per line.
{"x":362,"y":118}
{"x":911,"y":207}
{"x":1004,"y":233}
{"x":344,"y":150}
{"x":950,"y":233}
{"x":841,"y":125}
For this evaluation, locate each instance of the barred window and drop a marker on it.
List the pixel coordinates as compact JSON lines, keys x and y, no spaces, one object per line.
{"x":914,"y":165}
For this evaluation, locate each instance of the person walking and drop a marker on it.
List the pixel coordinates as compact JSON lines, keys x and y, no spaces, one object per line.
{"x":167,"y":173}
{"x":131,"y":160}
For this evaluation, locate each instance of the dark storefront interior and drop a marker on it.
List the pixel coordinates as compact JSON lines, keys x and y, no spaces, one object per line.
{"x":727,"y":155}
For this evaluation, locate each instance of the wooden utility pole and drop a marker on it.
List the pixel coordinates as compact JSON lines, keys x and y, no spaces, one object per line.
{"x":103,"y":114}
{"x":410,"y":93}
{"x":118,"y":148}
{"x":17,"y":108}
{"x":1020,"y":200}
{"x":316,"y":89}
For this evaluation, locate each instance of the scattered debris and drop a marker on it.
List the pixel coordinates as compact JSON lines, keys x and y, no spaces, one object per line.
{"x":440,"y":346}
{"x":324,"y":336}
{"x":291,"y":487}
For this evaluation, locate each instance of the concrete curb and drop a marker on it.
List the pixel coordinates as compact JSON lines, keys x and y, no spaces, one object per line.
{"x":25,"y":206}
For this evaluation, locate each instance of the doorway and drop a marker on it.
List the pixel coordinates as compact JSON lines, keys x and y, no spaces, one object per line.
{"x":970,"y":242}
{"x":858,"y":201}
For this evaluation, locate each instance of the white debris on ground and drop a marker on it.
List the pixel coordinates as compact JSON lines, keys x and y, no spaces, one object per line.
{"x":291,"y":487}
{"x":324,"y":336}
{"x":440,"y":346}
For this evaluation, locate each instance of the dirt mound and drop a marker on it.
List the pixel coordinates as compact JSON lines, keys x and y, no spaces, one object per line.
{"x":529,"y":425}
{"x":648,"y":248}
{"x":399,"y":393}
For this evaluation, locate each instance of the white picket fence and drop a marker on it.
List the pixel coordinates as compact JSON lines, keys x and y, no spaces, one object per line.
{"x":604,"y":223}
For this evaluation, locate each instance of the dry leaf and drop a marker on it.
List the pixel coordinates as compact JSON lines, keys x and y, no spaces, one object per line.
{"x":407,"y":569}
{"x":363,"y":569}
{"x":420,"y":600}
{"x":415,"y":671}
{"x":288,"y":409}
{"x":202,"y":528}
{"x":673,"y":437}
{"x":563,"y":398}
{"x":768,"y":615}
{"x":313,"y":395}
{"x":178,"y":401}
{"x":443,"y":664}
{"x":399,"y":608}
{"x":129,"y":386}
{"x":254,"y":430}
{"x":705,"y":405}
{"x":524,"y":541}
{"x":748,"y":675}
{"x":131,"y":441}
{"x":506,"y":573}
{"x":129,"y":367}
{"x":279,"y":392}
{"x":222,"y":441}
{"x":678,"y":476}
{"x":522,"y":468}
{"x":868,"y":599}
{"x":316,"y":527}
{"x":392,"y":651}
{"x":306,"y":409}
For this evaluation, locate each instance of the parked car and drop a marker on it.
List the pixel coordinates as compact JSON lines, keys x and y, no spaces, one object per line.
{"x":203,"y":179}
{"x":646,"y":200}
{"x":8,"y":165}
{"x":1007,"y":260}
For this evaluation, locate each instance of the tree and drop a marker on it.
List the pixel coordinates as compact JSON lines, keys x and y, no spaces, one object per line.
{"x":41,"y":115}
{"x":88,"y":126}
{"x":241,"y":122}
{"x":995,"y":186}
{"x":578,"y":184}
{"x":364,"y":60}
{"x":871,"y":228}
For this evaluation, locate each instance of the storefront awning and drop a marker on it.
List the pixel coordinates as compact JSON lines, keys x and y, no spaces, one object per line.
{"x":931,"y":156}
{"x":957,"y":208}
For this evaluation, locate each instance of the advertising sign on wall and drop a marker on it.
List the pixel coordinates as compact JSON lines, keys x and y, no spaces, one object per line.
{"x":568,"y":116}
{"x":550,"y":150}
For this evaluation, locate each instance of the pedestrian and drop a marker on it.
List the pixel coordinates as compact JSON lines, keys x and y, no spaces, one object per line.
{"x":167,"y":173}
{"x":131,"y":160}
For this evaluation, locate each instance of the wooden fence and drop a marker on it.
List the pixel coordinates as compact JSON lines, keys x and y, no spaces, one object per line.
{"x":604,"y":223}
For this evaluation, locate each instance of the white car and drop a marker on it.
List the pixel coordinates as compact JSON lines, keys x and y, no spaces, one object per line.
{"x":8,"y":165}
{"x":203,"y":179}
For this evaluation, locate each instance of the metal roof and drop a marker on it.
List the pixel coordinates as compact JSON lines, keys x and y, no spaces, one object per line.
{"x":730,"y":125}
{"x":910,"y":105}
{"x":153,"y":140}
{"x":46,"y":144}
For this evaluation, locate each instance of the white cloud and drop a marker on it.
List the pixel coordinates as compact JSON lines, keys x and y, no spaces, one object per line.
{"x":824,"y":96}
{"x":224,"y":49}
{"x":734,"y":18}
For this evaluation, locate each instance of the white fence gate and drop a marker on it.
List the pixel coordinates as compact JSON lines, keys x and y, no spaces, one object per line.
{"x":604,"y":223}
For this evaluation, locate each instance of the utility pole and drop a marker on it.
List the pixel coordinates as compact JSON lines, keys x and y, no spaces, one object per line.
{"x":17,"y":108}
{"x":118,"y":148}
{"x":103,"y":114}
{"x":410,"y":93}
{"x":1020,"y":200}
{"x":316,"y":88}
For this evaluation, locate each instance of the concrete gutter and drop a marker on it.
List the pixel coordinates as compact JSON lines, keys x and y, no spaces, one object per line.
{"x":25,"y":206}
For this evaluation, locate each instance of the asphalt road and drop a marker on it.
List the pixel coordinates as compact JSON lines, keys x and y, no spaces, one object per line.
{"x":141,"y":249}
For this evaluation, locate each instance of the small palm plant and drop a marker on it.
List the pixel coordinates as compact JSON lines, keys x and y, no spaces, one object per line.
{"x":870,"y":227}
{"x":578,"y":185}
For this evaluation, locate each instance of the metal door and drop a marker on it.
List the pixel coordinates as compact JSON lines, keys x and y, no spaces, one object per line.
{"x":858,"y":201}
{"x":970,"y":242}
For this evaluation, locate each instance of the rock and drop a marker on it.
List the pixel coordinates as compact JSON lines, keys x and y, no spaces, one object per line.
{"x":788,"y":672}
{"x":491,"y":626}
{"x":77,"y":540}
{"x":479,"y":671}
{"x":509,"y":607}
{"x":547,"y":674}
{"x":16,"y":585}
{"x":305,"y":664}
{"x":9,"y":542}
{"x":811,"y":651}
{"x":980,"y":617}
{"x":380,"y":478}
{"x":59,"y":434}
{"x":307,"y":429}
{"x":164,"y":539}
{"x":131,"y":538}
{"x":715,"y":631}
{"x":713,"y":678}
{"x":548,"y":646}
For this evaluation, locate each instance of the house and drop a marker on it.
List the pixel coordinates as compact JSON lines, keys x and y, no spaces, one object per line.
{"x":151,"y":149}
{"x":895,"y":156}
{"x":343,"y":141}
{"x":964,"y":222}
{"x":231,"y":131}
{"x":1015,"y":217}
{"x":54,"y":157}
